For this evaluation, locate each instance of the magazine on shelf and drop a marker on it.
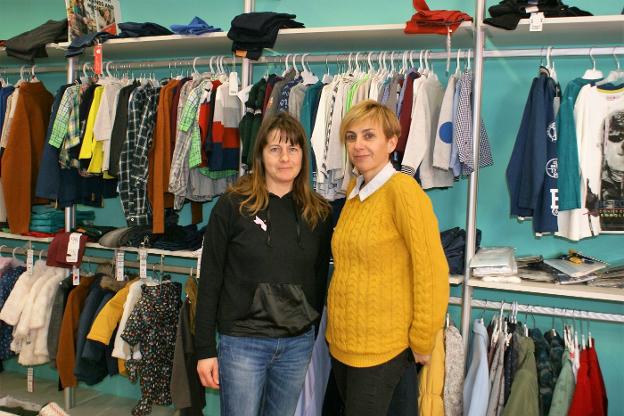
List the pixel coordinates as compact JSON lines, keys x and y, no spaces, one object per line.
{"x":91,"y":16}
{"x":575,"y":270}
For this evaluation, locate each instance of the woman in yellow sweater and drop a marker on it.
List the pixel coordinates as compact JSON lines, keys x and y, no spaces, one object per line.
{"x":389,"y":291}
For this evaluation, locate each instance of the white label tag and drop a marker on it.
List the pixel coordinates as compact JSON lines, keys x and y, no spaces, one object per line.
{"x":29,"y":261}
{"x":30,"y":380}
{"x":531,"y":9}
{"x":119,"y":265}
{"x":536,"y":22}
{"x":199,"y":259}
{"x":72,"y":248}
{"x":75,"y":276}
{"x":233,"y":83}
{"x":143,"y":263}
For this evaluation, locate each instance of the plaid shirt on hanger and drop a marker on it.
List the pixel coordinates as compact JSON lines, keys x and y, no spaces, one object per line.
{"x":139,"y":161}
{"x":136,"y":108}
{"x":65,"y":110}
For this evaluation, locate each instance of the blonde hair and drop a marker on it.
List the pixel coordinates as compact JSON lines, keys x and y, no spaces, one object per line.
{"x":371,"y":110}
{"x":313,"y":208}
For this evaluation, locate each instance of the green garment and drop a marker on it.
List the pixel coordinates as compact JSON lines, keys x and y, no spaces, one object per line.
{"x":564,"y":389}
{"x":524,"y":398}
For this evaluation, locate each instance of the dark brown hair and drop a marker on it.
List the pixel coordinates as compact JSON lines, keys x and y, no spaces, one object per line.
{"x":313,"y":208}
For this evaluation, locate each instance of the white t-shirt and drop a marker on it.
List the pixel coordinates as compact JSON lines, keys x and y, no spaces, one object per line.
{"x":593,"y":107}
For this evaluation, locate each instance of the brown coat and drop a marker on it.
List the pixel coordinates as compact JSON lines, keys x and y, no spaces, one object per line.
{"x":21,"y":158}
{"x":66,"y":355}
{"x":160,"y":156}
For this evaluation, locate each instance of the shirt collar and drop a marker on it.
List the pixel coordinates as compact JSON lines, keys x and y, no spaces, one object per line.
{"x":377,"y":182}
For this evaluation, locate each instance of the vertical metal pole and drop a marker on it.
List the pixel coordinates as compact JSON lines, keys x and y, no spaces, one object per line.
{"x":68,"y":392}
{"x":473,"y":181}
{"x":246,"y":68}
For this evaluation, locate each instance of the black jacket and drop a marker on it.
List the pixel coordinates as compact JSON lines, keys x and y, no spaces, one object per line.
{"x":264,"y":276}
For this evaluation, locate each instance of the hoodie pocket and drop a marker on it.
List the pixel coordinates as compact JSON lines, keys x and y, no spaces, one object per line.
{"x":280,"y":308}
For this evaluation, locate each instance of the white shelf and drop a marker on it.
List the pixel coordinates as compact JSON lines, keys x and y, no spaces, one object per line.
{"x":575,"y":291}
{"x":169,"y":253}
{"x":25,"y":238}
{"x":321,"y":39}
{"x":366,"y":38}
{"x":557,"y":31}
{"x":187,"y":254}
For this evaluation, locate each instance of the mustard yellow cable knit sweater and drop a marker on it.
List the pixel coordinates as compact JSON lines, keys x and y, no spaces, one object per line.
{"x":390,"y":286}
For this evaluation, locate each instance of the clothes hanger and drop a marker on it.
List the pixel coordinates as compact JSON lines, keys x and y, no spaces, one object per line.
{"x":421,"y":65}
{"x":411,"y":59}
{"x":468,"y":63}
{"x":308,"y":76}
{"x":614,"y":76}
{"x":327,"y":78}
{"x":286,"y":65}
{"x":32,"y":74}
{"x":1,"y":247}
{"x":550,"y":63}
{"x":592,"y":73}
{"x":458,"y":63}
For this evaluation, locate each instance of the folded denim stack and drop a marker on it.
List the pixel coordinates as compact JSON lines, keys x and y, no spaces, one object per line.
{"x":454,"y":244}
{"x":251,"y":32}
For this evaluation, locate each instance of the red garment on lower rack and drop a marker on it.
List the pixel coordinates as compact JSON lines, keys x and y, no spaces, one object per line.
{"x":599,"y":392}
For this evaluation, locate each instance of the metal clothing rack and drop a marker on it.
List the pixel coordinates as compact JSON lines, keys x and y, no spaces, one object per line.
{"x":471,"y":215}
{"x":541,"y":310}
{"x":103,"y":260}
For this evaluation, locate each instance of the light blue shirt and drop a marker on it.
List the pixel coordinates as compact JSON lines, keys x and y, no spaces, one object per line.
{"x":477,"y":382}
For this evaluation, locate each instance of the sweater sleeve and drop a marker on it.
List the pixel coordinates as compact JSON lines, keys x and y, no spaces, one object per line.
{"x":322,"y":263}
{"x":418,"y":226}
{"x":214,"y":253}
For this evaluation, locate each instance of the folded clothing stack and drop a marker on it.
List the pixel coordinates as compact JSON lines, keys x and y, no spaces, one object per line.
{"x":48,"y":220}
{"x":495,"y":264}
{"x":32,"y":44}
{"x":508,"y":13}
{"x":197,"y":27}
{"x":454,"y":245}
{"x":251,"y":32}
{"x":175,"y":237}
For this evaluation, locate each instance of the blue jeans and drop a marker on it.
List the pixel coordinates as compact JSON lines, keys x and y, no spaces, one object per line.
{"x":262,"y":376}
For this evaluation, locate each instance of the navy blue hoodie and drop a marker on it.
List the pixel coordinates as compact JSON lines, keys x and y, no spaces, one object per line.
{"x":532,"y":169}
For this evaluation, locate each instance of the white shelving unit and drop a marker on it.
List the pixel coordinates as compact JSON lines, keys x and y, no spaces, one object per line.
{"x":580,"y":291}
{"x":579,"y":35}
{"x":561,"y":31}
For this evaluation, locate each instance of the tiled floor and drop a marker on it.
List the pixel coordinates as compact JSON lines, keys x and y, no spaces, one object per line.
{"x":89,"y":402}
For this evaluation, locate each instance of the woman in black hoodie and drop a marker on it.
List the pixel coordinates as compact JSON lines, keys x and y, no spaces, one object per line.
{"x":263,"y":278}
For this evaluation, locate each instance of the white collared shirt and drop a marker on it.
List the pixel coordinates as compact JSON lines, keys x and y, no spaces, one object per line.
{"x":377,"y":182}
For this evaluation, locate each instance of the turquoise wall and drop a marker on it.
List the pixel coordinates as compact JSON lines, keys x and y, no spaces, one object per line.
{"x":506,"y":84}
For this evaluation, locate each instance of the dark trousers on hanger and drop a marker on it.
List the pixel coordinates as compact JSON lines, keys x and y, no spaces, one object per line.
{"x":390,"y":388}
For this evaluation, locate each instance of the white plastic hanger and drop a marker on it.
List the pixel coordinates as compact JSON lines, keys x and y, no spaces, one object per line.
{"x":592,"y":73}
{"x":411,"y":60}
{"x":550,"y":63}
{"x":468,"y":63}
{"x":617,"y":75}
{"x":458,"y":63}
{"x":33,"y":77}
{"x":286,"y":65}
{"x":327,"y":77}
{"x":308,"y":77}
{"x":421,"y":66}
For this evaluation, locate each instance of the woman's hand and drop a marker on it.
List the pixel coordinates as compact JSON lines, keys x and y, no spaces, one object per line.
{"x":422,"y":359}
{"x":208,"y":370}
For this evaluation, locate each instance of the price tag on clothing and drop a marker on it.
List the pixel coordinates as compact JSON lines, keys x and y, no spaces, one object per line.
{"x":143,"y":263}
{"x":30,"y":380}
{"x":97,"y":59}
{"x":119,"y":265}
{"x":233,"y":83}
{"x":75,"y":275}
{"x":536,"y":22}
{"x":199,"y":259}
{"x":29,"y":260}
{"x":73,"y":247}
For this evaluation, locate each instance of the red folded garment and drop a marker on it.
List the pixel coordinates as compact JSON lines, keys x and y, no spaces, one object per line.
{"x":439,"y":22}
{"x":57,"y":252}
